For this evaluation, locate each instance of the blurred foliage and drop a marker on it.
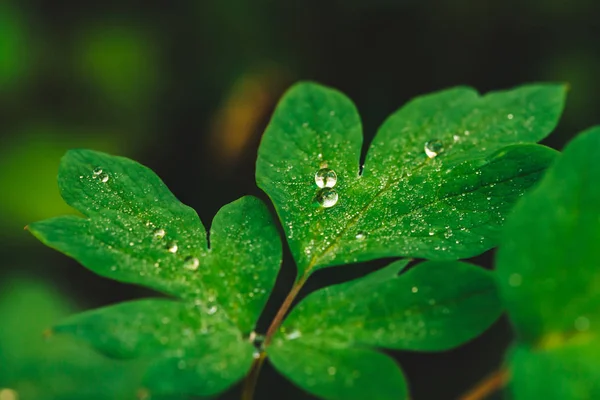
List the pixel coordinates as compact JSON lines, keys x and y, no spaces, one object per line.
{"x":15,"y":56}
{"x":187,"y":88}
{"x":54,"y":368}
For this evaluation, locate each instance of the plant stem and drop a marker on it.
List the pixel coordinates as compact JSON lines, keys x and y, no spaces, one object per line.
{"x":489,"y":385}
{"x":252,"y":377}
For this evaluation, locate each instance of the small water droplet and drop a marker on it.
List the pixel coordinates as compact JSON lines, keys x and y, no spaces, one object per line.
{"x":515,"y":280}
{"x":97,"y":171}
{"x":582,"y":323}
{"x":332,"y":113}
{"x":456,"y":138}
{"x":510,"y":116}
{"x":360,"y":236}
{"x":172,"y":248}
{"x":433,"y":148}
{"x":191,"y":263}
{"x":159,"y":233}
{"x":181,"y":364}
{"x":325,"y":177}
{"x":104,"y":177}
{"x":295,"y":334}
{"x":331,"y":370}
{"x":211,"y":310}
{"x":431,"y":233}
{"x":256,"y":354}
{"x":327,"y":197}
{"x":414,"y":289}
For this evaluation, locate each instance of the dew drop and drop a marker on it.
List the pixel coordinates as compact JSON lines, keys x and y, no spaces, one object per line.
{"x":414,"y":289}
{"x":510,"y":116}
{"x":433,"y":148}
{"x":103,"y":177}
{"x":325,"y":177}
{"x":327,"y":197}
{"x":360,"y":236}
{"x":295,"y":334}
{"x":456,"y":138}
{"x":159,"y":233}
{"x":172,"y":248}
{"x":97,"y":171}
{"x":181,"y":364}
{"x":256,"y":354}
{"x":212,"y":310}
{"x":331,"y":370}
{"x":515,"y":280}
{"x":191,"y":263}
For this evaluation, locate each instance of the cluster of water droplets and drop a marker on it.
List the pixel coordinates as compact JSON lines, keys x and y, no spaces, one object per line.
{"x":326,"y":178}
{"x":99,"y":174}
{"x":190,"y":262}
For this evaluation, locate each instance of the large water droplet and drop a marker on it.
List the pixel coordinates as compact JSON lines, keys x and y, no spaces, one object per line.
{"x":327,"y":197}
{"x":159,"y":233}
{"x":433,"y":148}
{"x":103,"y":177}
{"x":97,"y":171}
{"x":325,"y":177}
{"x":360,"y":236}
{"x":172,"y":247}
{"x":191,"y":263}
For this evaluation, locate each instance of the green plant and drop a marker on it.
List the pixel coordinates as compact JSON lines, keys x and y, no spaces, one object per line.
{"x":439,"y":179}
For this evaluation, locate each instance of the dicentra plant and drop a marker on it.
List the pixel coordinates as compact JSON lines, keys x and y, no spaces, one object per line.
{"x":438,"y":182}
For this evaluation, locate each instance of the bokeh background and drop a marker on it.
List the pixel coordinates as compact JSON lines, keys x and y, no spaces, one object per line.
{"x":186,"y":87}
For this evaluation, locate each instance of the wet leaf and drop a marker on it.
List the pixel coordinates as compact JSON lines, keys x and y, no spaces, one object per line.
{"x":439,"y":177}
{"x":549,"y":278}
{"x":340,"y":374}
{"x":417,"y":310}
{"x":136,"y":231}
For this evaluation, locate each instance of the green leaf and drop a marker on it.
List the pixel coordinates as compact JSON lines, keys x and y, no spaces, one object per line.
{"x":567,"y":372}
{"x":200,"y":353}
{"x":549,"y":278}
{"x":403,"y":203}
{"x":340,"y":374}
{"x":136,"y":231}
{"x":418,"y":310}
{"x":548,"y":261}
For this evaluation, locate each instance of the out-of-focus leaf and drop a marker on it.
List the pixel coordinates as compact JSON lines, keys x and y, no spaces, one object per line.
{"x":549,"y":276}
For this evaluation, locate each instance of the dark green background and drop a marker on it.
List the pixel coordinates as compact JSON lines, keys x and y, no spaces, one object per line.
{"x":187,"y":87}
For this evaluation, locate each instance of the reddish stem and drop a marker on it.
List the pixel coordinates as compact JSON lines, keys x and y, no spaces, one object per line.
{"x":489,"y":385}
